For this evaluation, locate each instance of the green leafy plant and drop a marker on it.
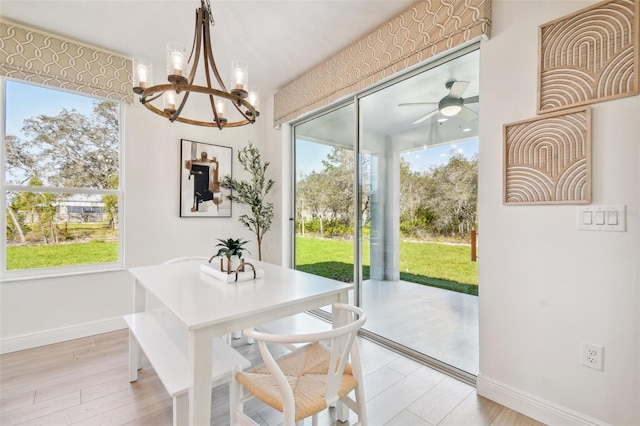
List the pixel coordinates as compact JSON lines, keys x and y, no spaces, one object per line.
{"x":252,"y":193}
{"x":231,"y":247}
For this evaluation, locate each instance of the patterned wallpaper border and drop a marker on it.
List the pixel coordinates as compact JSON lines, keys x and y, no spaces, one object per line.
{"x":426,"y":29}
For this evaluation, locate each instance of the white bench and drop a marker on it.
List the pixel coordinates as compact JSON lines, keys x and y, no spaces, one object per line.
{"x":165,"y":343}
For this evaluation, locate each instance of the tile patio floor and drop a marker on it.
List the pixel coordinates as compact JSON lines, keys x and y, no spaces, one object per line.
{"x":439,"y":323}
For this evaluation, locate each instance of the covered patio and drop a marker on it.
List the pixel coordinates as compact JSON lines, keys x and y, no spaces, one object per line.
{"x":439,"y":323}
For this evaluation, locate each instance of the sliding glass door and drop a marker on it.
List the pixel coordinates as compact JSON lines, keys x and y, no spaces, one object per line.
{"x":324,"y":201}
{"x":414,"y":160}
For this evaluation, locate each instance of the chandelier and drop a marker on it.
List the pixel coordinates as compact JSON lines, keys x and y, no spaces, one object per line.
{"x":174,"y":95}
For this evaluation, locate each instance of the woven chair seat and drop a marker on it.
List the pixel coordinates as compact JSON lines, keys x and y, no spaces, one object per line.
{"x":306,"y":371}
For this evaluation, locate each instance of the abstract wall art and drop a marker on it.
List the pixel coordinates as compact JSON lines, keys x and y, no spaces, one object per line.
{"x":202,"y":167}
{"x":548,"y":159}
{"x":589,"y":56}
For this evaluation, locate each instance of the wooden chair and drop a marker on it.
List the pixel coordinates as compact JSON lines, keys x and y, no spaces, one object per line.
{"x":309,"y":379}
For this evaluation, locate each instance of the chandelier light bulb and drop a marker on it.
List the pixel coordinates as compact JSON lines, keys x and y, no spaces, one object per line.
{"x":176,"y":59}
{"x":239,"y":76}
{"x":170,"y":102}
{"x":142,"y":74}
{"x":176,"y":62}
{"x":220,"y":109}
{"x":254,"y":97}
{"x":254,"y":100}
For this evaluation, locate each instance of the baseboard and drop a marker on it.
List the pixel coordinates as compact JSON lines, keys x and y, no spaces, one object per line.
{"x":57,"y":335}
{"x":531,"y":405}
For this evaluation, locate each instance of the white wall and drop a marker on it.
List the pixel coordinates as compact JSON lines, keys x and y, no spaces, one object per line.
{"x":48,"y":310}
{"x":545,"y":287}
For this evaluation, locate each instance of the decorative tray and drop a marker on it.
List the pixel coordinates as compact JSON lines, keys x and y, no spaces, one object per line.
{"x":240,"y":274}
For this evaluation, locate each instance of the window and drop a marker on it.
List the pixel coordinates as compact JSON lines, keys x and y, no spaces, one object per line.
{"x":61,"y":156}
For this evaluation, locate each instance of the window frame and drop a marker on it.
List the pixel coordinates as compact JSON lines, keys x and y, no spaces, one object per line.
{"x":59,"y":271}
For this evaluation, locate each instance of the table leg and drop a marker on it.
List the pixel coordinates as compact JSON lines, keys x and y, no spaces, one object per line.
{"x":134,"y":357}
{"x":200,"y":356}
{"x":339,"y":319}
{"x":135,"y":354}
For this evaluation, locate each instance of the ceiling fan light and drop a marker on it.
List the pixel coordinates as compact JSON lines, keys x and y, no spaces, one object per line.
{"x":450,"y":110}
{"x":450,"y":106}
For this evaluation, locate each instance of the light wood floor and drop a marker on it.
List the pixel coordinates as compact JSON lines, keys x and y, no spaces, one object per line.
{"x":85,"y":382}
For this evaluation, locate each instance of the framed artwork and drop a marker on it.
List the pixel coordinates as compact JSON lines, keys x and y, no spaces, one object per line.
{"x":202,"y":167}
{"x":548,"y":159}
{"x":589,"y":56}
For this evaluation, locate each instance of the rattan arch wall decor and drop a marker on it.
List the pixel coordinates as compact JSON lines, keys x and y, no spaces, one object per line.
{"x":548,"y":159}
{"x":589,"y":56}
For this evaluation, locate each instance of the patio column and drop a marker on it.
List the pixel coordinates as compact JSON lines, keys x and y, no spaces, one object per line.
{"x":385,"y":213}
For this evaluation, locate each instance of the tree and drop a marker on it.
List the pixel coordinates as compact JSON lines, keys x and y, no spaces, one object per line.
{"x":21,"y":164}
{"x":70,"y":149}
{"x":455,"y":198}
{"x":339,"y":173}
{"x":252,"y":193}
{"x":41,"y":211}
{"x":111,"y":203}
{"x":311,"y":197}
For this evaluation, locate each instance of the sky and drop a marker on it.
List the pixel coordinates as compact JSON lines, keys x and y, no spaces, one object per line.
{"x":23,"y":101}
{"x":27,"y":100}
{"x":309,"y":155}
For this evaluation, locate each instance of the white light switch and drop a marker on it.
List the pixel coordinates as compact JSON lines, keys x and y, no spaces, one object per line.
{"x":602,"y":218}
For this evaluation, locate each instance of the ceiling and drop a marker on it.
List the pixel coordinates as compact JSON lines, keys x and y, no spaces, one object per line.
{"x":381,"y":118}
{"x":280,"y":40}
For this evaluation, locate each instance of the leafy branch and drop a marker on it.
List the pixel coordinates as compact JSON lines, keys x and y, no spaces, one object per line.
{"x":252,"y":193}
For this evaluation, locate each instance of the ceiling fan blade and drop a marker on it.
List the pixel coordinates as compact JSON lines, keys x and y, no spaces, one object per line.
{"x":458,"y":88}
{"x":471,"y":99}
{"x":425,"y":117}
{"x":418,"y":103}
{"x":467,"y":114}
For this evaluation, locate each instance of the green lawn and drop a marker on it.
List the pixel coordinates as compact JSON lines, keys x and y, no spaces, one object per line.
{"x":43,"y":256}
{"x":435,"y":264}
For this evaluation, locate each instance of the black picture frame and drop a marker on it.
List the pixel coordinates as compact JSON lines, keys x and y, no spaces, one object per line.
{"x":202,"y":167}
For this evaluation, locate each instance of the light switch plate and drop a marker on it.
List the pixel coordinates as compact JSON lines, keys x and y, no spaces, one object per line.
{"x":602,"y":218}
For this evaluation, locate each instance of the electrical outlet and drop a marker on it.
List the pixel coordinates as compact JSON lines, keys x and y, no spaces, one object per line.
{"x":592,"y":355}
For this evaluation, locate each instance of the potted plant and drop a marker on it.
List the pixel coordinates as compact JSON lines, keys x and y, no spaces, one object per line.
{"x":232,"y":250}
{"x":252,"y":193}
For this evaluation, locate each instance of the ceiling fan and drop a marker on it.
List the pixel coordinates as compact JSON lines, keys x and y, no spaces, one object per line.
{"x":452,"y":104}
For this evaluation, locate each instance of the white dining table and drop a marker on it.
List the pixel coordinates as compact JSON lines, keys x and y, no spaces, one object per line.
{"x":207,"y":307}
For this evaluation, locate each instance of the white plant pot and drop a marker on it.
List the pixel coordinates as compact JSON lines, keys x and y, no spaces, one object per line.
{"x":231,"y":264}
{"x":235,"y":262}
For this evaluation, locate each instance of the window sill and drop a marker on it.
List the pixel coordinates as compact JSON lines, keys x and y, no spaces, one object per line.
{"x":58,"y":272}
